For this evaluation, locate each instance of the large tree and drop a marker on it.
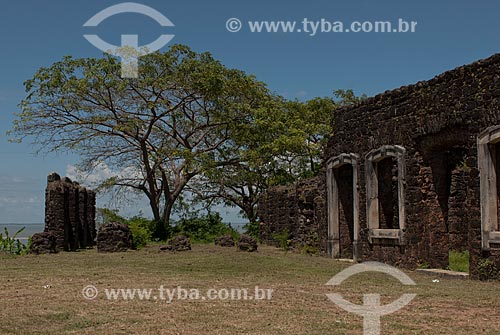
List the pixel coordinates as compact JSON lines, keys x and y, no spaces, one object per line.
{"x":184,"y":115}
{"x":286,"y":144}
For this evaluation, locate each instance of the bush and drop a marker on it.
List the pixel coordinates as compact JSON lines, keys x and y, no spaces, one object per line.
{"x":487,"y":270}
{"x":12,"y":245}
{"x":283,"y":239}
{"x":252,"y":229}
{"x":141,"y":231}
{"x":203,"y":229}
{"x":458,"y":261}
{"x":198,"y":229}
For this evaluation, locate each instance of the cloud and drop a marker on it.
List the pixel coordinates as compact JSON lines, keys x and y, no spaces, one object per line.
{"x":100,"y":173}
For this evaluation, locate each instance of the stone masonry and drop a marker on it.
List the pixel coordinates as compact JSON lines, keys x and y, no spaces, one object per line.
{"x":69,"y":213}
{"x":408,"y":176}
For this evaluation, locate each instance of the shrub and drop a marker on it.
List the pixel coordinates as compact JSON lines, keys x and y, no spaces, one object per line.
{"x":12,"y":245}
{"x":309,"y":250}
{"x":458,"y":261}
{"x":423,"y":265}
{"x":141,"y":231}
{"x":203,"y":229}
{"x":283,"y":239}
{"x":487,"y":270}
{"x":252,"y":229}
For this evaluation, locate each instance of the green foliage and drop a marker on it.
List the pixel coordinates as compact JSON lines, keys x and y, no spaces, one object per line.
{"x":458,"y":261}
{"x":283,"y":144}
{"x":347,"y":97}
{"x":12,"y":245}
{"x":203,"y":229}
{"x":141,"y":230}
{"x":310,"y":245}
{"x":283,"y":239}
{"x":186,"y":113}
{"x":252,"y":229}
{"x":464,"y":166}
{"x":309,"y":250}
{"x":423,"y":265}
{"x":487,"y":270}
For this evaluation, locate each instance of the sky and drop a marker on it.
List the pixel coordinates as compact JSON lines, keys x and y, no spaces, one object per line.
{"x":297,"y":65}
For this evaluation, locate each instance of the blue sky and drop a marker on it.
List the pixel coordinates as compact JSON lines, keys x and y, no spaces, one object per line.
{"x":38,"y":33}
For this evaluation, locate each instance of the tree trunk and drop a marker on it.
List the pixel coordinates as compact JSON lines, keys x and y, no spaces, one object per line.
{"x":250,"y":213}
{"x":162,"y":226}
{"x":251,"y":227}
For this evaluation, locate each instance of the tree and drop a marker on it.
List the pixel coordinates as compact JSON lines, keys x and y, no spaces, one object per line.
{"x":185,"y":114}
{"x":286,"y":144}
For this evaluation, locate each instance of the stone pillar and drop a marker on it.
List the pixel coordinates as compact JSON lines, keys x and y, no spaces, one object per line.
{"x":54,"y":209}
{"x":82,"y":214}
{"x":91,"y":196}
{"x":69,"y":213}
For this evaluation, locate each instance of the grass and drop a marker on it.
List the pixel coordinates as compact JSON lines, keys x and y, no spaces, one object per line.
{"x":43,"y":295}
{"x":459,"y":261}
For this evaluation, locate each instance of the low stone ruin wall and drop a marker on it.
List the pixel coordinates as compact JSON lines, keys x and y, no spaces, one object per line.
{"x":297,"y":211}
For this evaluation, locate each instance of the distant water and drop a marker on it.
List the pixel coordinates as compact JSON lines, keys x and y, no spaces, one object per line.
{"x":30,"y":229}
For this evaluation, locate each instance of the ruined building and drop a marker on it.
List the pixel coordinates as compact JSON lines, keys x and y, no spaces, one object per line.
{"x":69,"y":213}
{"x":408,"y":175}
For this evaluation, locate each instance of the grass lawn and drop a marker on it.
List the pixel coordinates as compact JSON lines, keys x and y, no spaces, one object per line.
{"x":43,"y":295}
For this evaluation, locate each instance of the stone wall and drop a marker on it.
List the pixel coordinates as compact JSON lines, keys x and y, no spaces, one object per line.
{"x":297,"y":210}
{"x":437,"y":123}
{"x":69,"y":213}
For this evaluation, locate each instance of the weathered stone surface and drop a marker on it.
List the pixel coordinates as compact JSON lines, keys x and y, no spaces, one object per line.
{"x":179,"y":243}
{"x":69,"y":213}
{"x":299,"y":210}
{"x":225,"y":241}
{"x":114,"y":237}
{"x":247,"y":243}
{"x":437,"y":122}
{"x":43,"y":243}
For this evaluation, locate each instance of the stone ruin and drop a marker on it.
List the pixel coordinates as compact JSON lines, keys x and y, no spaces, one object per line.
{"x":408,"y":176}
{"x":69,"y":213}
{"x":114,"y":237}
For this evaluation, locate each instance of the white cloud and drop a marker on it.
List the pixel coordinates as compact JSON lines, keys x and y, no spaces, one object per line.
{"x":100,"y":173}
